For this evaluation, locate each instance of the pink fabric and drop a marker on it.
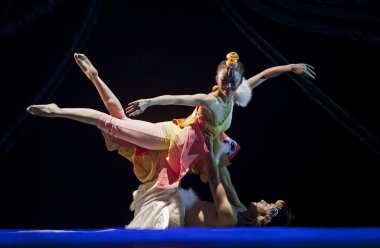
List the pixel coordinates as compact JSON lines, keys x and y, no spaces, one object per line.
{"x":138,"y":150}
{"x":185,"y":149}
{"x":140,"y":133}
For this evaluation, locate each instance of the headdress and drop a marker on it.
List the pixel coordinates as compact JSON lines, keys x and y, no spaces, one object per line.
{"x":271,"y":214}
{"x":232,"y":61}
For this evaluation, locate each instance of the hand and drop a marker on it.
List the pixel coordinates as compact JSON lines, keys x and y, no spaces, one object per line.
{"x":209,"y":137}
{"x":137,"y":107}
{"x":303,"y":69}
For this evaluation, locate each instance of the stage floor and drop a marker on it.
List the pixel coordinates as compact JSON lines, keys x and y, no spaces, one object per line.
{"x":194,"y":237}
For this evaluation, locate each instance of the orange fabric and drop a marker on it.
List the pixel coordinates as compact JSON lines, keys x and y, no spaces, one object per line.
{"x":145,"y":162}
{"x":187,"y":152}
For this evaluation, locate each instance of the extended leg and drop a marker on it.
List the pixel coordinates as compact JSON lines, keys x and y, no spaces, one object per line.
{"x":85,"y":115}
{"x":142,"y":133}
{"x":109,"y":99}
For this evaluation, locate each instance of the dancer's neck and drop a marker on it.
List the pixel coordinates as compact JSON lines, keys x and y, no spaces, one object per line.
{"x":225,"y":98}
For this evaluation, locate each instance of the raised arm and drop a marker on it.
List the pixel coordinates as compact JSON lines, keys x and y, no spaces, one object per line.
{"x":232,"y":195}
{"x":139,"y":106}
{"x":300,"y":69}
{"x":224,"y":209}
{"x":219,"y":213}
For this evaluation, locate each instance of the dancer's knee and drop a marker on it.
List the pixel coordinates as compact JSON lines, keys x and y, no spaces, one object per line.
{"x":105,"y":123}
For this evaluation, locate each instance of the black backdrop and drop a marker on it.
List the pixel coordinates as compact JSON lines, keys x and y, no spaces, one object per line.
{"x":58,"y":174}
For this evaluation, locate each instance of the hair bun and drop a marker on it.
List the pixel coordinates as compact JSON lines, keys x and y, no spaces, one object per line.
{"x":232,"y":55}
{"x":280,"y":203}
{"x":232,"y":59}
{"x":231,"y":62}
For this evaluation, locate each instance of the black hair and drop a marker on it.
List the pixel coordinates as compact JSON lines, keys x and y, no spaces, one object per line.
{"x":239,"y":69}
{"x":284,"y":217}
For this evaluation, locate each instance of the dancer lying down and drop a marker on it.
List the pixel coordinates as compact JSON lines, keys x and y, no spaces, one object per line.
{"x":180,"y":207}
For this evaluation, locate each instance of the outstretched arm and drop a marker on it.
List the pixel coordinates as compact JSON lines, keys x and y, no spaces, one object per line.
{"x":139,"y":106}
{"x":300,"y":69}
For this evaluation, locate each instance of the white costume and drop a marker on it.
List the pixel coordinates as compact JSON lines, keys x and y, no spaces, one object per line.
{"x":159,"y":209}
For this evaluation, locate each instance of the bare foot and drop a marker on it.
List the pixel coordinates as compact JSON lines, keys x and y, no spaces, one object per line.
{"x":47,"y":110}
{"x":86,"y":66}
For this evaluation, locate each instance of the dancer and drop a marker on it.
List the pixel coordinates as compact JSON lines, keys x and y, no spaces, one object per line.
{"x":152,"y":208}
{"x":223,"y":213}
{"x":172,"y":147}
{"x":160,"y":209}
{"x":167,"y":208}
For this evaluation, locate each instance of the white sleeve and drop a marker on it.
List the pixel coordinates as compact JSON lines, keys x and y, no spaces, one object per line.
{"x":243,"y":94}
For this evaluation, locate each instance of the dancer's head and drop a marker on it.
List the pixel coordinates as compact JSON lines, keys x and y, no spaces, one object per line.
{"x":229,"y":74}
{"x":266,"y":214}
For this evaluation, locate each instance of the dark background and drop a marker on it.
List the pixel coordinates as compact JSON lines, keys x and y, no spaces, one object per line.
{"x":57,"y":173}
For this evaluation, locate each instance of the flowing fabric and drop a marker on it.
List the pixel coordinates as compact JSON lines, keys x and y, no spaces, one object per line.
{"x":182,"y":140}
{"x":160,"y":209}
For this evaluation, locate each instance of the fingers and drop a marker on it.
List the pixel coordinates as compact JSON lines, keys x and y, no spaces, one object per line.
{"x":132,"y":106}
{"x":137,"y":112}
{"x":133,"y":103}
{"x":130,"y":109}
{"x":311,"y":71}
{"x":307,"y":65}
{"x":133,"y":109}
{"x":209,"y":135}
{"x":208,"y":132}
{"x":136,"y":107}
{"x":308,"y":71}
{"x":308,"y":74}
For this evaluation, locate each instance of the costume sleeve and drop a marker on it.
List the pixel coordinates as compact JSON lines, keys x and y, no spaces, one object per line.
{"x":243,"y":94}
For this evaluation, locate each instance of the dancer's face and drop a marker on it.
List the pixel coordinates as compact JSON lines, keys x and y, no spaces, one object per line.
{"x":228,"y":83}
{"x":262,"y":207}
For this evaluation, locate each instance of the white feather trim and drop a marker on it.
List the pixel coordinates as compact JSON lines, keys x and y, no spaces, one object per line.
{"x":188,"y":197}
{"x":243,"y":94}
